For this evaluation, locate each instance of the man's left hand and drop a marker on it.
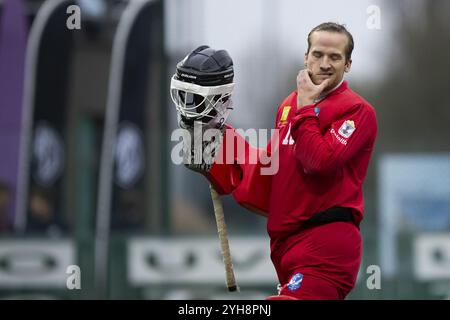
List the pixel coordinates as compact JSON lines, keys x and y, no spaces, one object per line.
{"x":307,"y":91}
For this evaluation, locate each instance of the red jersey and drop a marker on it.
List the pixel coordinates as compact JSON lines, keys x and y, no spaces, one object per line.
{"x":324,"y":152}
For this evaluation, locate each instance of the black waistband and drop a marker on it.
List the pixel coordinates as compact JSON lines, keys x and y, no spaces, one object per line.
{"x":335,"y":214}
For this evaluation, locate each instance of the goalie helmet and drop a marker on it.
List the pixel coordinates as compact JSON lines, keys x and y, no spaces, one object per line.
{"x":202,"y":86}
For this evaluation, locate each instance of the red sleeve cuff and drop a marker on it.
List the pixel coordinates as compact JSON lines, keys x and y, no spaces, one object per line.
{"x":300,"y":115}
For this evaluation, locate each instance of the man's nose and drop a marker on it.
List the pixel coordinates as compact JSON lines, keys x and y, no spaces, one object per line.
{"x":325,"y":64}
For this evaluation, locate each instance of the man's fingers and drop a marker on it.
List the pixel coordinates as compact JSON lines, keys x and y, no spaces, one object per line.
{"x":307,"y":74}
{"x":305,"y":82}
{"x":299,"y":76}
{"x":324,"y":84}
{"x":304,"y":76}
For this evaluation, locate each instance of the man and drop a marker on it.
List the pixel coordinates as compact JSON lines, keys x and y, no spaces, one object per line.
{"x":317,"y":252}
{"x":314,"y":202}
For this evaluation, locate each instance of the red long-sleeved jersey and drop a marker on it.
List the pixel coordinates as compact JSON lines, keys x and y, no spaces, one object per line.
{"x":325,"y":162}
{"x":323,"y":152}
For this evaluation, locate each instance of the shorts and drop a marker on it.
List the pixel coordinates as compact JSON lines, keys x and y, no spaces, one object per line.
{"x":320,"y":262}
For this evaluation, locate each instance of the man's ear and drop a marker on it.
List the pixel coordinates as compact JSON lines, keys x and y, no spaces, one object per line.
{"x":305,"y":58}
{"x":348,"y":65}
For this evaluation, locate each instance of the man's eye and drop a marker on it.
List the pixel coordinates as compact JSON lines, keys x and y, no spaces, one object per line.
{"x":335,"y":57}
{"x":317,"y":54}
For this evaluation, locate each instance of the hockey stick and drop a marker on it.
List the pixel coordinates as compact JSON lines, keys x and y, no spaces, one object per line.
{"x":223,"y":238}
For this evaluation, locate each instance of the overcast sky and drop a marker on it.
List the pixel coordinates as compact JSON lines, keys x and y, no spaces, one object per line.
{"x":233,"y":24}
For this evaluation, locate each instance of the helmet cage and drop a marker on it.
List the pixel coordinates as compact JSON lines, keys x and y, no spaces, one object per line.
{"x":203,"y":103}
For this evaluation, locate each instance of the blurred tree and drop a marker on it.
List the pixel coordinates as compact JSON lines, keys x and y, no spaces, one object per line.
{"x":413,"y":102}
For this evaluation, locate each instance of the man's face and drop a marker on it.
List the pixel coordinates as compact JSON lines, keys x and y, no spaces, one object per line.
{"x":326,"y":58}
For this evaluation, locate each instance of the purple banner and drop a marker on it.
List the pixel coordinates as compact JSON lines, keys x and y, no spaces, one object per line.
{"x":13,"y":37}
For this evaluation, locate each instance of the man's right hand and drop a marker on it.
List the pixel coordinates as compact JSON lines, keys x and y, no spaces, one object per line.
{"x":202,"y":147}
{"x":307,"y":91}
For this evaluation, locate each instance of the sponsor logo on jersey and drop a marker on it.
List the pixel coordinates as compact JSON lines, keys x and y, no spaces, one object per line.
{"x":340,"y":139}
{"x":295,"y":282}
{"x":316,"y":111}
{"x":347,"y":128}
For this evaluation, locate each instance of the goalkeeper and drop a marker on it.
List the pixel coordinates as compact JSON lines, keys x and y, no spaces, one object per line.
{"x":326,"y":134}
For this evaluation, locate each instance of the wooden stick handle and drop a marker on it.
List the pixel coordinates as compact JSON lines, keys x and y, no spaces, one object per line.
{"x":223,"y":238}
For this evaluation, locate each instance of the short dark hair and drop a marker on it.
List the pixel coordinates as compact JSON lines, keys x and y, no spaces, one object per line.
{"x":338,"y":28}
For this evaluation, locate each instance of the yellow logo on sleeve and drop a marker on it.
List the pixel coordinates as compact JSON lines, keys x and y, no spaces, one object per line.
{"x":285,"y":114}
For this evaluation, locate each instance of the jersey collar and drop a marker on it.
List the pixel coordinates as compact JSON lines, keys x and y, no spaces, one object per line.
{"x":336,"y":90}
